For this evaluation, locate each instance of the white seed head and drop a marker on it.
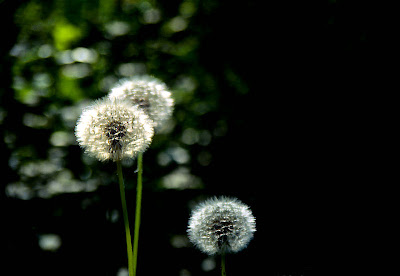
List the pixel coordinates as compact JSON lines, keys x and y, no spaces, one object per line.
{"x":221,"y":225}
{"x":113,"y":130}
{"x":148,"y":93}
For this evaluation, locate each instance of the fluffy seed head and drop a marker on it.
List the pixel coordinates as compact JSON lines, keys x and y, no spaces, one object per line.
{"x":148,"y":93}
{"x":221,"y":225}
{"x":113,"y":130}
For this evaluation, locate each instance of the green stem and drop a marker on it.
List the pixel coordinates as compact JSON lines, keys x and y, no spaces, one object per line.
{"x":223,"y":271}
{"x":126,"y":220}
{"x":137,"y":214}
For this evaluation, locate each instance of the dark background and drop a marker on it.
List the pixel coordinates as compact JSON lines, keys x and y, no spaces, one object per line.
{"x":269,"y":85}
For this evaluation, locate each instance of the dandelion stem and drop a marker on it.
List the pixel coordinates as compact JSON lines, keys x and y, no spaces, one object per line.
{"x":137,"y":214}
{"x":126,"y":220}
{"x":223,"y":271}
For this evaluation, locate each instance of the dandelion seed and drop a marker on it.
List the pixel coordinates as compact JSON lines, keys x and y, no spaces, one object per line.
{"x":221,"y":225}
{"x":148,"y":93}
{"x":113,"y":130}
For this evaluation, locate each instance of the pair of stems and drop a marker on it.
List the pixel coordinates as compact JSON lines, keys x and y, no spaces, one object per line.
{"x":132,"y":253}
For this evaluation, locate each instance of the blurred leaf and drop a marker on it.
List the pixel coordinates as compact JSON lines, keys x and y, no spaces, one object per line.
{"x":65,"y":34}
{"x":25,"y":95}
{"x":69,"y":88}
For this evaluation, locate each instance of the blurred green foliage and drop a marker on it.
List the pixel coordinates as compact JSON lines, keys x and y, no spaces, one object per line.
{"x":68,"y":53}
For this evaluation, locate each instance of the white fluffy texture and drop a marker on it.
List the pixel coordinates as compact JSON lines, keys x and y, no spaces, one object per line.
{"x":150,"y":94}
{"x":221,"y":225}
{"x":113,"y":130}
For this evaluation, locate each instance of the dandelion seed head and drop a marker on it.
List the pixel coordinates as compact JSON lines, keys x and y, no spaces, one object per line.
{"x":221,"y":225}
{"x":149,"y":94}
{"x":113,"y":130}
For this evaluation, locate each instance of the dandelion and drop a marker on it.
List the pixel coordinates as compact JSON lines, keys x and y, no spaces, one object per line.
{"x":149,"y":94}
{"x":221,"y":225}
{"x":113,"y":130}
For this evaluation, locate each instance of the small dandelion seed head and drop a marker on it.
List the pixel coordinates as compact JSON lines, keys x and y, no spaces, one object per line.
{"x":149,"y":94}
{"x":221,"y":225}
{"x":113,"y":130}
